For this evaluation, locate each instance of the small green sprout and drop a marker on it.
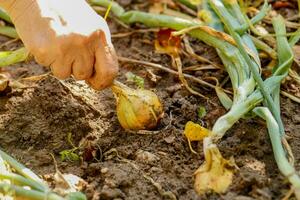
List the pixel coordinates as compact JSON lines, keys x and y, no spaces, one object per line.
{"x":137,"y":80}
{"x":201,"y":112}
{"x":70,"y":154}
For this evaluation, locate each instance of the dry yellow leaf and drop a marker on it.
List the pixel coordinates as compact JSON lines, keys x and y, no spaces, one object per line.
{"x":215,"y":174}
{"x":195,"y":132}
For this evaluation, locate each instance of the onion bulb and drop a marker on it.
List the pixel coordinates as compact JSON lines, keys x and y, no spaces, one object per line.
{"x":138,"y":109}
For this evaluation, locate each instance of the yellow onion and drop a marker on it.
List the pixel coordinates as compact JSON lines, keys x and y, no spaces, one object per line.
{"x":138,"y":109}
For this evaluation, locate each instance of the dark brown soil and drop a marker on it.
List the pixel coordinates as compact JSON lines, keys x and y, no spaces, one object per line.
{"x":35,"y":121}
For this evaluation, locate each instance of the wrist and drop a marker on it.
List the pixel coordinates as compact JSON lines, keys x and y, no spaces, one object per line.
{"x":15,"y":8}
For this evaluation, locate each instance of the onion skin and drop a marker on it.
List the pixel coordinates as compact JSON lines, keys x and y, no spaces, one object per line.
{"x":138,"y":109}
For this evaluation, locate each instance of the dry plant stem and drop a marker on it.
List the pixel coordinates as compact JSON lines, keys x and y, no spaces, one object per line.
{"x":200,"y":68}
{"x":187,"y":9}
{"x":288,"y":150}
{"x":126,"y":34}
{"x":288,"y":24}
{"x":161,"y":191}
{"x":192,"y":53}
{"x":8,"y":42}
{"x":182,"y":79}
{"x":290,"y":96}
{"x":264,"y":47}
{"x":158,"y":66}
{"x":288,"y":194}
{"x":295,"y":76}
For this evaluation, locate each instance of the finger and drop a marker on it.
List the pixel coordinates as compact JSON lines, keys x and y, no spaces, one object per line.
{"x":82,"y":68}
{"x":61,"y":68}
{"x":43,"y":59}
{"x":106,"y":69}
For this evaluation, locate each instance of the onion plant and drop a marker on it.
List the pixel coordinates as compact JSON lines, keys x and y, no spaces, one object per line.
{"x":11,"y":57}
{"x":6,"y":30}
{"x":17,"y":181}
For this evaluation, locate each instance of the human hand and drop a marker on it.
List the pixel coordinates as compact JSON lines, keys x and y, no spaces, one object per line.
{"x":68,"y":36}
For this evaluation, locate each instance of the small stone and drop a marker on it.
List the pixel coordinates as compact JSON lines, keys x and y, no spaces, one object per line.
{"x":296,"y":119}
{"x":3,"y":82}
{"x":173,"y":88}
{"x":108,"y":193}
{"x":110,"y":183}
{"x":145,"y":157}
{"x":169,"y":139}
{"x":104,"y":170}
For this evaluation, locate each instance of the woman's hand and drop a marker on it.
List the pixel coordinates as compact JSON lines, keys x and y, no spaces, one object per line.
{"x":68,"y":36}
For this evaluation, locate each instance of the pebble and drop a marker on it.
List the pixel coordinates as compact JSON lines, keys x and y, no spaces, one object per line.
{"x":109,"y":193}
{"x":145,"y":157}
{"x":169,"y":139}
{"x":104,"y":170}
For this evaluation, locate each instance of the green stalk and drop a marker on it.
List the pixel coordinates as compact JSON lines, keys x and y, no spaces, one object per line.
{"x":21,"y":181}
{"x":264,"y":47}
{"x":215,"y":22}
{"x":115,"y":8}
{"x":11,"y":57}
{"x":21,"y":169}
{"x":238,"y":110}
{"x":224,"y":16}
{"x":285,"y":55}
{"x":9,"y":31}
{"x":242,"y":82}
{"x":280,"y":156}
{"x":262,"y":13}
{"x":20,"y":192}
{"x":4,"y":15}
{"x":295,"y":38}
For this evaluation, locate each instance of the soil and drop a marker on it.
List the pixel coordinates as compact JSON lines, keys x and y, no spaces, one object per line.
{"x":35,"y":121}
